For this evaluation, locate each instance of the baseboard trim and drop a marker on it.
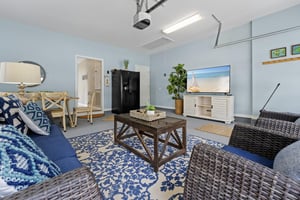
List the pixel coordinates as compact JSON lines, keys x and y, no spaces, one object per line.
{"x":246,"y":116}
{"x":94,"y":116}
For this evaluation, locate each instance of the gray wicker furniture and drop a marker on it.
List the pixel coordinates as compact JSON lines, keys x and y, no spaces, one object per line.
{"x":279,"y":125}
{"x":216,"y":174}
{"x":286,"y":116}
{"x":76,"y":184}
{"x":279,"y":121}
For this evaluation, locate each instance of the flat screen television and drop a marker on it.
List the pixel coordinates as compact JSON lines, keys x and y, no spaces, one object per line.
{"x":209,"y":80}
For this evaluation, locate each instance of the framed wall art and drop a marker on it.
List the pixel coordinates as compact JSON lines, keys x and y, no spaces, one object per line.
{"x":277,"y":53}
{"x":295,"y":49}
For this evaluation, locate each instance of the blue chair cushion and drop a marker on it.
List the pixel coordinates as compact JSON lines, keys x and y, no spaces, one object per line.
{"x":55,"y":145}
{"x":22,"y":162}
{"x":68,"y":164}
{"x":58,"y":149}
{"x":251,"y":156}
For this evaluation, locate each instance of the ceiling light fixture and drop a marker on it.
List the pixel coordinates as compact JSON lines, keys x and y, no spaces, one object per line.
{"x":182,"y":23}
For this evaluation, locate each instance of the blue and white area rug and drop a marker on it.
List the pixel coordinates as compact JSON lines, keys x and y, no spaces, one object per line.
{"x":123,"y":175}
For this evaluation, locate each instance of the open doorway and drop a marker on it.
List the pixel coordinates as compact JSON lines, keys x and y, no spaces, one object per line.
{"x":89,"y":77}
{"x":144,"y":84}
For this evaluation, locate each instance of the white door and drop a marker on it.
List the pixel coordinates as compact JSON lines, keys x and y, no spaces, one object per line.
{"x":144,"y":84}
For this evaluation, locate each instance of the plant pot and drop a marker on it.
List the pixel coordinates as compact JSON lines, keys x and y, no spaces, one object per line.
{"x":150,"y":112}
{"x":178,"y":106}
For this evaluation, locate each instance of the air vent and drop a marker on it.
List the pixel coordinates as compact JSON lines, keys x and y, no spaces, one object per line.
{"x":157,"y":43}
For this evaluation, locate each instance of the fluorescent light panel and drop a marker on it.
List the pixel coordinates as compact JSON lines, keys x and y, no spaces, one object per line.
{"x":183,"y":23}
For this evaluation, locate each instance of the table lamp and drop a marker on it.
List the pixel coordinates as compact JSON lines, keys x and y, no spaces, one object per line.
{"x":22,"y":74}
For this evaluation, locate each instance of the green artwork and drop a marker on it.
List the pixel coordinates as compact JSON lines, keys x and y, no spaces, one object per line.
{"x":280,"y":52}
{"x":296,"y":49}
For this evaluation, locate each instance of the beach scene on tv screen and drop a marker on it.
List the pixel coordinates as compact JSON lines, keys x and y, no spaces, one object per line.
{"x":213,"y":79}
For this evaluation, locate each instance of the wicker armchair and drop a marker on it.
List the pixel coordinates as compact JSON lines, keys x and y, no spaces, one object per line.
{"x":216,"y":174}
{"x":279,"y":125}
{"x":286,"y":116}
{"x":283,"y":122}
{"x":76,"y":184}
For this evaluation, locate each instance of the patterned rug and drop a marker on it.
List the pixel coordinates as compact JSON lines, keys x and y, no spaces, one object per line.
{"x":123,"y":175}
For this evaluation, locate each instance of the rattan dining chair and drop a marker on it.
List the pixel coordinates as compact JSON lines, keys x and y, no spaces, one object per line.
{"x":55,"y":104}
{"x":86,"y":109}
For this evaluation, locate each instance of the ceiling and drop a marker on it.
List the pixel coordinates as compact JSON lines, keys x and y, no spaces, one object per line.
{"x":110,"y":21}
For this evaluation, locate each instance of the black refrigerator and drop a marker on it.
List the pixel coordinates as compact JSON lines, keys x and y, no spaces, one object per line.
{"x":125,"y":91}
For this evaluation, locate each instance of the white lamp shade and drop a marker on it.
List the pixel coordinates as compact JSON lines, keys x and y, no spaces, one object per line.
{"x":20,"y":73}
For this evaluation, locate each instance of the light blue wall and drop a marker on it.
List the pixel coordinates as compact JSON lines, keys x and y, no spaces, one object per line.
{"x":251,"y":83}
{"x":56,"y":53}
{"x":201,"y":54}
{"x":266,"y":77}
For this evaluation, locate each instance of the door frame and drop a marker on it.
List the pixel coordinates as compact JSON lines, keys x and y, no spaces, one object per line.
{"x":137,"y":69}
{"x":102,"y":77}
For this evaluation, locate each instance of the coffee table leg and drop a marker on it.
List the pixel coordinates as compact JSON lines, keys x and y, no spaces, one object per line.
{"x":184,"y":138}
{"x":115,"y":130}
{"x":155,"y":161}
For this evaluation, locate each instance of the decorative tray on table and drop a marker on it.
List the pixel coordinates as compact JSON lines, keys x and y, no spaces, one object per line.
{"x":142,"y":114}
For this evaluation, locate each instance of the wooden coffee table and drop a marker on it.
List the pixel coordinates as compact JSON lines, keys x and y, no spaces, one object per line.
{"x":168,"y":127}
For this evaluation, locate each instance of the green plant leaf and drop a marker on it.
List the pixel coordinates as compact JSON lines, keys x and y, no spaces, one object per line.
{"x":177,"y":82}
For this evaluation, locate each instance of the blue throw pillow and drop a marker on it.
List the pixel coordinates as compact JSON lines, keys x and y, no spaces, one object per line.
{"x":22,"y":162}
{"x":287,"y":161}
{"x":9,"y":111}
{"x":35,"y":118}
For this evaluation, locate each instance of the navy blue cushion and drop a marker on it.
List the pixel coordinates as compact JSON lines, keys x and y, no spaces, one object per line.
{"x":58,"y":149}
{"x":55,"y":145}
{"x":251,"y":156}
{"x":68,"y":164}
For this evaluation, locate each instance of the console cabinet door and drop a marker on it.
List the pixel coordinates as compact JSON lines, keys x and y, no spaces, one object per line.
{"x":219,"y":108}
{"x":190,"y":103}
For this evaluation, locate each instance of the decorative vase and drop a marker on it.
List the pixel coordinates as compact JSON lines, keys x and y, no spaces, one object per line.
{"x":150,"y":112}
{"x":178,"y":106}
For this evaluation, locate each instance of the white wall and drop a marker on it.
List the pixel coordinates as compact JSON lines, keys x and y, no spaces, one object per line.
{"x":56,"y":52}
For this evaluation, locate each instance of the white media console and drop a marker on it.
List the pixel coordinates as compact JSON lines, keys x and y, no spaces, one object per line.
{"x":215,"y":107}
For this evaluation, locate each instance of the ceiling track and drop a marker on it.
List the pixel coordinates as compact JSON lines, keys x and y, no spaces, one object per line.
{"x":250,"y":38}
{"x":155,"y":6}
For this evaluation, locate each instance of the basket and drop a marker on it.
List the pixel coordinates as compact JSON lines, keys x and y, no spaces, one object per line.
{"x":141,"y":114}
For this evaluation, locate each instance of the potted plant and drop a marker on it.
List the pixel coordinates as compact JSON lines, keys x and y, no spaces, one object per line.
{"x":126,"y":62}
{"x":177,"y":86}
{"x":150,"y":109}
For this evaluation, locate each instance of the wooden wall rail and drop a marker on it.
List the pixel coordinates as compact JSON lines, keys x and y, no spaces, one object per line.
{"x":280,"y":60}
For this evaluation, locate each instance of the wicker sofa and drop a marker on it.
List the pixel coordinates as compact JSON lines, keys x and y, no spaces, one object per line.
{"x":29,"y":158}
{"x":217,"y":174}
{"x":76,"y":184}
